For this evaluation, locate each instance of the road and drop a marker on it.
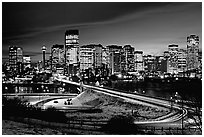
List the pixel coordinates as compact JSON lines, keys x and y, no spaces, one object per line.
{"x":169,"y":120}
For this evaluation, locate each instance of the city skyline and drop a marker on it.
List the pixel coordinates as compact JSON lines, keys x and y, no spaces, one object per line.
{"x":149,"y":27}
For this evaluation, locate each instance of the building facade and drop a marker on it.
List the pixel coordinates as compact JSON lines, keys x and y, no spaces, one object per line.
{"x":57,"y":57}
{"x":128,"y":58}
{"x":71,"y":52}
{"x":138,"y":58}
{"x":192,"y":52}
{"x":16,"y":59}
{"x":115,"y":58}
{"x":149,"y":63}
{"x":27,"y":61}
{"x":105,"y":57}
{"x":90,"y":56}
{"x":86,"y":57}
{"x":13,"y":58}
{"x":182,"y":55}
{"x":173,"y":58}
{"x":97,"y":56}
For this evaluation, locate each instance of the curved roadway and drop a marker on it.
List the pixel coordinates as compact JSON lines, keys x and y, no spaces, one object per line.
{"x":170,"y":119}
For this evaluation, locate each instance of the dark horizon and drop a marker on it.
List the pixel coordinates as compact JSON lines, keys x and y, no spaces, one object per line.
{"x":150,"y":27}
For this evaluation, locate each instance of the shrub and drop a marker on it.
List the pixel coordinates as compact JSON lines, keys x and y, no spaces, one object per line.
{"x":17,"y":108}
{"x":121,"y":124}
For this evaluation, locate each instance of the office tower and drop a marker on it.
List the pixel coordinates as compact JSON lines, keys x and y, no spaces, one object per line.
{"x":57,"y":57}
{"x":138,"y":58}
{"x":128,"y":58}
{"x":26,"y":61}
{"x":43,"y":56}
{"x":158,"y":62}
{"x":149,"y":64}
{"x":165,"y":62}
{"x":90,"y":56}
{"x":105,"y":57}
{"x":115,"y":58}
{"x":97,"y":56}
{"x":71,"y":52}
{"x":173,"y":58}
{"x":192,"y":52}
{"x":16,"y":59}
{"x":86,"y":57}
{"x":182,"y":60}
{"x":13,"y":58}
{"x":105,"y":62}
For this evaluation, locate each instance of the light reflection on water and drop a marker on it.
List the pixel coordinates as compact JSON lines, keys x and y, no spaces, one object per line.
{"x":161,"y":89}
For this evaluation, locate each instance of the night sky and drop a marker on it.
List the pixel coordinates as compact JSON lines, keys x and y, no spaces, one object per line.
{"x":150,"y":27}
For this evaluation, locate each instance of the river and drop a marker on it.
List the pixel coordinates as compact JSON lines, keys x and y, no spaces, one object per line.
{"x":188,"y":89}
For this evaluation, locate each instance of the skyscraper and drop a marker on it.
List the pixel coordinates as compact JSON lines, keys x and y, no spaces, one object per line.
{"x":173,"y":58}
{"x":182,"y":60}
{"x":26,"y":61}
{"x":138,"y":58}
{"x":13,"y":57}
{"x":128,"y":53}
{"x":192,"y":52}
{"x":57,"y":57}
{"x":115,"y":58}
{"x":16,"y":59}
{"x":71,"y":52}
{"x":149,"y":63}
{"x":105,"y":57}
{"x":86,"y":57}
{"x":43,"y":56}
{"x":90,"y":56}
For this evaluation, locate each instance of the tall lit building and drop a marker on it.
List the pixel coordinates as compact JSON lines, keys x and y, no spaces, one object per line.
{"x":57,"y":57}
{"x":192,"y":52}
{"x":105,"y":57}
{"x":97,"y":56}
{"x":182,"y":60}
{"x":71,"y":52}
{"x":115,"y":58}
{"x":13,"y":58}
{"x":173,"y":58}
{"x":165,"y":62}
{"x":43,"y":56}
{"x":86,"y":57}
{"x":105,"y":62}
{"x":26,"y":61}
{"x":149,"y":62}
{"x":128,"y":54}
{"x":158,"y":62}
{"x":138,"y":58}
{"x":16,"y":59}
{"x":19,"y":54}
{"x":90,"y":56}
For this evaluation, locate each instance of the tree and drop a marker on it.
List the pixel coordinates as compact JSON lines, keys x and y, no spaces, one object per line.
{"x":121,"y":124}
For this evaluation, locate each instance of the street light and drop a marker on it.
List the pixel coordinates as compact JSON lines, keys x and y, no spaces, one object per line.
{"x":171,"y":99}
{"x":180,"y":98}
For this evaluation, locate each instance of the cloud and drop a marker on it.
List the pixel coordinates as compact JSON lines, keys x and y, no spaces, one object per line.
{"x":149,"y":10}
